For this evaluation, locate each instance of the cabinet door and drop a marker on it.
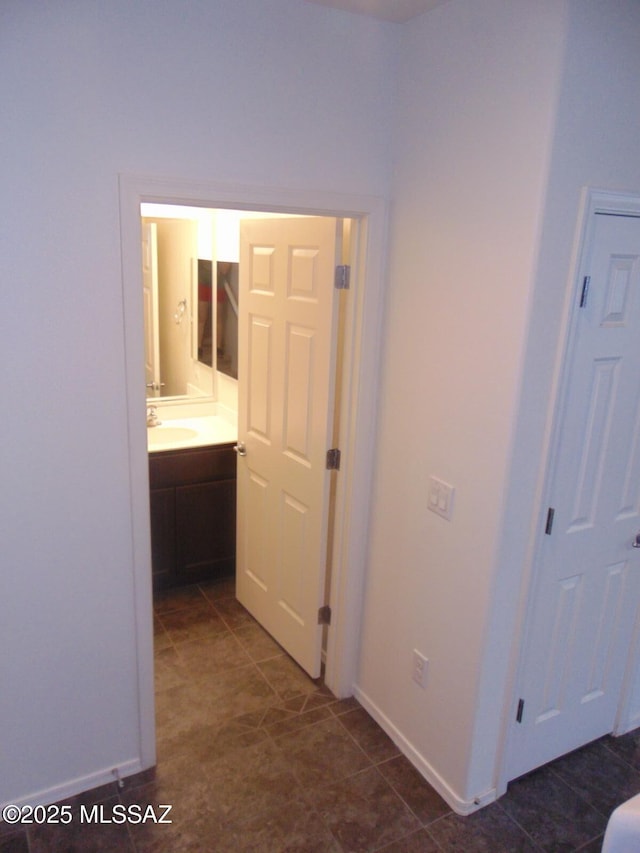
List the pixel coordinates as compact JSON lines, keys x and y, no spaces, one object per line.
{"x":206,"y":530}
{"x":162,"y":504}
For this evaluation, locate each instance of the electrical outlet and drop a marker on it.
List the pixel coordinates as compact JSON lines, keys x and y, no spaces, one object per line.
{"x":441,"y":498}
{"x":420,"y":669}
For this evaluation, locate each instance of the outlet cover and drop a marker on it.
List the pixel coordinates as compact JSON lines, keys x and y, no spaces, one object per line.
{"x":420,"y":669}
{"x":440,"y":498}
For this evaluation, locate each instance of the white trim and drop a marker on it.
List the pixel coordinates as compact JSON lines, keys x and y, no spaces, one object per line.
{"x":612,"y":202}
{"x":357,"y":440}
{"x":457,"y":803}
{"x":627,"y":718}
{"x":594,"y":201}
{"x":359,"y":401}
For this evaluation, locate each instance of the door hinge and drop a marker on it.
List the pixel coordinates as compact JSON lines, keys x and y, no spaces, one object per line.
{"x":333,"y":459}
{"x":586,"y":281}
{"x":343,"y":277}
{"x":324,"y":615}
{"x":549,"y":524}
{"x":520,"y":710}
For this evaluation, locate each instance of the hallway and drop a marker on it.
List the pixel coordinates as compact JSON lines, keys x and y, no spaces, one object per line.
{"x":254,"y":756}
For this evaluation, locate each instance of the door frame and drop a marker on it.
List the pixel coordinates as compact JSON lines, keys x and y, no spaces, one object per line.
{"x":593,"y":202}
{"x":358,"y":402}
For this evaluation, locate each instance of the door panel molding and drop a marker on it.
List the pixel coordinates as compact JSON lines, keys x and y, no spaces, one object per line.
{"x":300,"y":364}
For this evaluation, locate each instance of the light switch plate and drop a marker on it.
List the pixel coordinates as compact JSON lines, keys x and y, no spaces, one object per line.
{"x":440,"y":499}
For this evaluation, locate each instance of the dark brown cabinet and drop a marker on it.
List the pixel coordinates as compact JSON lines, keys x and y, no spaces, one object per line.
{"x":193,"y":514}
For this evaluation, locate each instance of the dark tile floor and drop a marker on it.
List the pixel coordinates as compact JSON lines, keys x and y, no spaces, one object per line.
{"x":254,"y":756}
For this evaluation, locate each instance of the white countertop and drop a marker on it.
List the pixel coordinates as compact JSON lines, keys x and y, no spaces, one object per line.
{"x":180,"y":433}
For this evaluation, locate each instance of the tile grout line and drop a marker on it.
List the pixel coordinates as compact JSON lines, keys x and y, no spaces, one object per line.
{"x":375,"y":766}
{"x":575,"y":791}
{"x":527,"y":834}
{"x":275,"y":739}
{"x":393,"y":788}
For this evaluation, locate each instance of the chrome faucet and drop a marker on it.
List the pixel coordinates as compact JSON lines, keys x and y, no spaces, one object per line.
{"x":152,"y":417}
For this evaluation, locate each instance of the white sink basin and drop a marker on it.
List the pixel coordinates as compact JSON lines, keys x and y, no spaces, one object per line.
{"x":168,"y":435}
{"x":182,"y":433}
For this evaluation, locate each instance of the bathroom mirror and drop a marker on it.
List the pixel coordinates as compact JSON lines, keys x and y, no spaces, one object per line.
{"x":191,"y":290}
{"x":178,"y":311}
{"x":205,"y":312}
{"x":227,"y":292}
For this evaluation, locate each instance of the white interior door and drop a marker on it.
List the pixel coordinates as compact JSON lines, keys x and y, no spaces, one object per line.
{"x":588,"y":574}
{"x":150,"y":296}
{"x":286,"y":364}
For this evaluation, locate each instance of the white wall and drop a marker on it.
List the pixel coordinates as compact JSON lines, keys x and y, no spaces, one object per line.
{"x":507,"y":110}
{"x":281,"y":94}
{"x":478,"y":89}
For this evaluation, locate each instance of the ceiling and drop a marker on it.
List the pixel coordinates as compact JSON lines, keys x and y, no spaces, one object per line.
{"x":387,"y":10}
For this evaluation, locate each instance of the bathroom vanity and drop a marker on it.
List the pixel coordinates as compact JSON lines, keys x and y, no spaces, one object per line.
{"x":193,"y":514}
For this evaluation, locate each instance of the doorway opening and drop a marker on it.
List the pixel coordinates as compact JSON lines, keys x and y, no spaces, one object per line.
{"x":357,"y":390}
{"x":261,"y":352}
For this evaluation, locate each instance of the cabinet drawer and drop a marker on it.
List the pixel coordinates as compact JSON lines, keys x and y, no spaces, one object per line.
{"x":197,"y":465}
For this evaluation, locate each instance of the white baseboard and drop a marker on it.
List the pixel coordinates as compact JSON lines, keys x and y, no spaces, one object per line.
{"x":457,"y":803}
{"x":78,"y":785}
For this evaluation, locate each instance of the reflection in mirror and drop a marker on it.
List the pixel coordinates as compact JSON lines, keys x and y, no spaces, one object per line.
{"x":172,"y":297}
{"x":191,"y":330}
{"x":205,"y":319}
{"x":227,"y":318}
